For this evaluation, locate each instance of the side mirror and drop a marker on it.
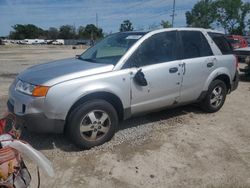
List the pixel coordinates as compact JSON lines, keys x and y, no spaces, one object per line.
{"x":140,"y":79}
{"x":77,"y":56}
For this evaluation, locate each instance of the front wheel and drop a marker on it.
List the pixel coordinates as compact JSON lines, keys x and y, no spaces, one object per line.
{"x":92,"y":123}
{"x":215,"y":97}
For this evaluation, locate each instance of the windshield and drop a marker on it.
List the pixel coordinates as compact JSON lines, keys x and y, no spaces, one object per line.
{"x":111,"y":49}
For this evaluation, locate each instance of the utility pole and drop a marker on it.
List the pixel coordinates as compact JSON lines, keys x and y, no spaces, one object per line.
{"x":173,"y":15}
{"x":96,"y":20}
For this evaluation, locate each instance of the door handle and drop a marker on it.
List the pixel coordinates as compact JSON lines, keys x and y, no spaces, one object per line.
{"x":210,"y":64}
{"x":173,"y":70}
{"x":184,"y":68}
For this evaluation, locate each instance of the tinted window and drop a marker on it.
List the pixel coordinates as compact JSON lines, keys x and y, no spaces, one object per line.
{"x":159,"y":48}
{"x":222,"y":43}
{"x":194,"y":44}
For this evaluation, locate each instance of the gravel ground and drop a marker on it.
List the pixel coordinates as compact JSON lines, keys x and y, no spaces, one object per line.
{"x":181,"y":147}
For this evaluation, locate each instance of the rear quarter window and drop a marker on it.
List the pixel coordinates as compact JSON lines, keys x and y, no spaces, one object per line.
{"x":222,"y":43}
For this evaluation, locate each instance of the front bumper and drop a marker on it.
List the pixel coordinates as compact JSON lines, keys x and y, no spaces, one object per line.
{"x":38,"y":122}
{"x":31,"y":111}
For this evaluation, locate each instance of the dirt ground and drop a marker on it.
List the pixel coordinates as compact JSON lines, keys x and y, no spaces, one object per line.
{"x":176,"y":148}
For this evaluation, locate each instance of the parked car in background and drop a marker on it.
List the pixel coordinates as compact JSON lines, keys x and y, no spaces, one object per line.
{"x":58,"y":42}
{"x":39,"y":41}
{"x":32,"y":41}
{"x":243,"y":55}
{"x":237,"y":41}
{"x":124,"y":75}
{"x":248,"y":40}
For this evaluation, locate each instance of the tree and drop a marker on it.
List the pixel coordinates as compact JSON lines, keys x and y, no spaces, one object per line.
{"x":92,"y":32}
{"x":245,"y":11}
{"x":248,"y":23}
{"x":203,"y":14}
{"x":81,"y":32}
{"x":67,"y":32}
{"x":26,"y":31}
{"x":166,"y":24}
{"x":232,"y":15}
{"x":126,"y":26}
{"x":52,"y":33}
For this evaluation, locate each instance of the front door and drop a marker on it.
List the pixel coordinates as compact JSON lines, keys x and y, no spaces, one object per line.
{"x":155,"y":73}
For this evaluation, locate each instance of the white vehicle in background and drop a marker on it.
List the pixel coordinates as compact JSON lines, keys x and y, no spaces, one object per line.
{"x":58,"y":42}
{"x":39,"y":41}
{"x":34,"y":41}
{"x":27,"y":41}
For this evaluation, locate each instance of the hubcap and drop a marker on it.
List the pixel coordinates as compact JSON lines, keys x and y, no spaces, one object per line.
{"x":95,"y":125}
{"x":216,"y":97}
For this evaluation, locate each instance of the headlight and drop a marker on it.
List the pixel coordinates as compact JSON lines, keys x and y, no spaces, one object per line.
{"x":30,"y":89}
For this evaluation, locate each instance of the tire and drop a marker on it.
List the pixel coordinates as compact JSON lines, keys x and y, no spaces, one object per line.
{"x":215,"y":97}
{"x":92,"y":123}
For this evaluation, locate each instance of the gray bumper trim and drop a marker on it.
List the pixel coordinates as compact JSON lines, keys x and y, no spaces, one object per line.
{"x":39,"y":123}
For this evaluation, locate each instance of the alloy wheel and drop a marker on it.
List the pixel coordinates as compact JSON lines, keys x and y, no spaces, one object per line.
{"x":95,"y":125}
{"x":216,"y":96}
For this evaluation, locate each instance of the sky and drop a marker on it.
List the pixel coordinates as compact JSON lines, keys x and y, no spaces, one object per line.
{"x":111,"y":13}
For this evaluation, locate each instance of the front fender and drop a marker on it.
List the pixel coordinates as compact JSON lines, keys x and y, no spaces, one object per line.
{"x":61,"y":97}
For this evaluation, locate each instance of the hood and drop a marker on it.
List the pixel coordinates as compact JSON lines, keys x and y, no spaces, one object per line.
{"x":62,"y":70}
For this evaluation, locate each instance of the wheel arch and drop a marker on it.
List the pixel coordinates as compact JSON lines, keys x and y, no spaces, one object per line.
{"x":225,"y":78}
{"x":220,"y":74}
{"x":113,"y":99}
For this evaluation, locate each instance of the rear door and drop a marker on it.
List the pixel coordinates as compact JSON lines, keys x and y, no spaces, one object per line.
{"x":198,"y":62}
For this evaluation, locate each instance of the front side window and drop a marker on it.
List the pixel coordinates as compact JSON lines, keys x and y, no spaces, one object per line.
{"x":159,"y":48}
{"x":112,"y":48}
{"x":194,"y":44}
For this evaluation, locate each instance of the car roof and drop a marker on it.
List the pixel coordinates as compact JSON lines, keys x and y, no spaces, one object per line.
{"x":177,"y":28}
{"x":135,"y":32}
{"x":187,"y":29}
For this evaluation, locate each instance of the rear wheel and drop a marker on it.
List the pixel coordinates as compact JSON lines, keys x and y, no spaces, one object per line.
{"x":92,"y":123}
{"x":215,"y":96}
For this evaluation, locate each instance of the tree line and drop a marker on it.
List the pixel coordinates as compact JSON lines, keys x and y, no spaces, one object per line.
{"x":31,"y":31}
{"x":90,"y":31}
{"x":232,"y":15}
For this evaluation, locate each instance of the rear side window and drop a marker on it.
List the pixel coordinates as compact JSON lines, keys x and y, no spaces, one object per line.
{"x":194,"y":44}
{"x":222,"y":43}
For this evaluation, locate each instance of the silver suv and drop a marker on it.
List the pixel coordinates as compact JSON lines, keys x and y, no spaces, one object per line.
{"x":123,"y":75}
